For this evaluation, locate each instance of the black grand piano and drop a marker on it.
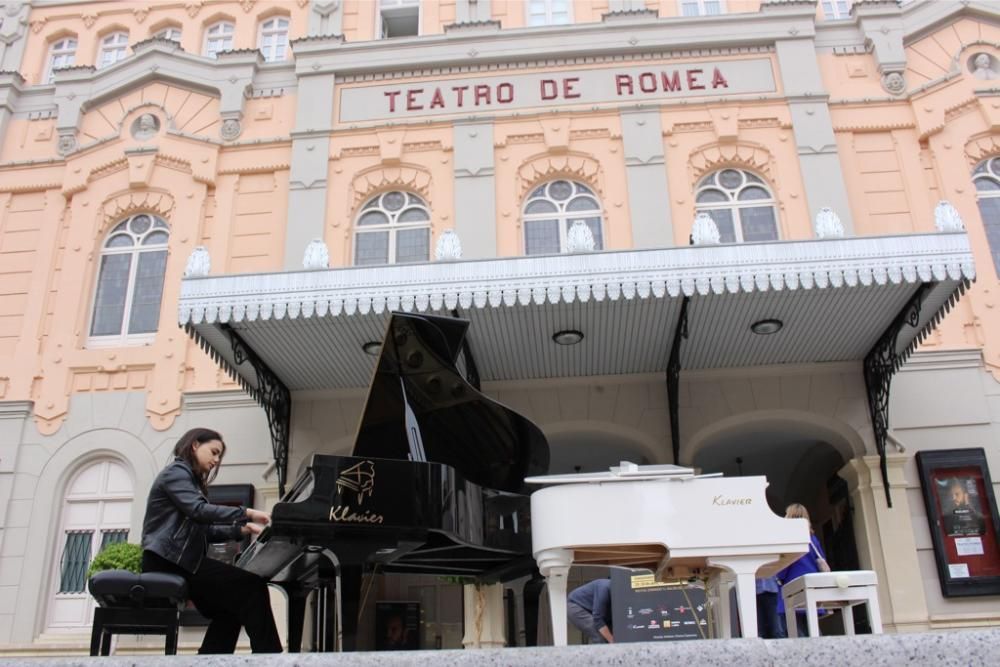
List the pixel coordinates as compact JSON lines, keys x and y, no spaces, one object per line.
{"x":435,"y":485}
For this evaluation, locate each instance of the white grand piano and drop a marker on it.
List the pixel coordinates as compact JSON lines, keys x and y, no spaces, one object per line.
{"x":668,"y":519}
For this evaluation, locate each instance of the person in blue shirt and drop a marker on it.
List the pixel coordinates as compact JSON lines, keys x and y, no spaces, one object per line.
{"x":812,"y":561}
{"x":589,"y":610}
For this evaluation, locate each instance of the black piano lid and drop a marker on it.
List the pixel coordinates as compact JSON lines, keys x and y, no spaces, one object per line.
{"x":491,"y":445}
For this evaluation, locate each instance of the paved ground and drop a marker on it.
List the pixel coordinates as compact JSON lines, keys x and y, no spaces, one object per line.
{"x":943,"y":649}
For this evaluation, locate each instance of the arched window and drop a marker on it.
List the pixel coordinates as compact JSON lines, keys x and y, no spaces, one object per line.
{"x":114,"y":47}
{"x":219,"y":37}
{"x":551,"y":209}
{"x":393,"y":228}
{"x":273,"y":39}
{"x":130,"y":282}
{"x":741,"y":205}
{"x":61,"y":54}
{"x":171,"y":32}
{"x":987,"y":179}
{"x":96,"y":511}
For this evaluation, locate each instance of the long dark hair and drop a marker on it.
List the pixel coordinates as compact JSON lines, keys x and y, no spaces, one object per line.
{"x":184,"y":449}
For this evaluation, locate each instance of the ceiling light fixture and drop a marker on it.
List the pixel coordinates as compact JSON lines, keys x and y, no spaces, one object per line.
{"x":567,"y":337}
{"x":766,"y":327}
{"x":372,"y":347}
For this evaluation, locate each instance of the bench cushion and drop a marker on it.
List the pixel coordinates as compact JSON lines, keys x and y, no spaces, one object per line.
{"x":121,"y":588}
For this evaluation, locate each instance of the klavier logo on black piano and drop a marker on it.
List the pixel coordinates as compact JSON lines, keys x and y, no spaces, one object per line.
{"x":358,"y":482}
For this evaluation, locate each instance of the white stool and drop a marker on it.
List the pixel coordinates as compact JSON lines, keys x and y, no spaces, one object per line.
{"x":832,"y":590}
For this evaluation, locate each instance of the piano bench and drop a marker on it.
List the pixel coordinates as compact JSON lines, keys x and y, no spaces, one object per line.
{"x":832,"y":590}
{"x":136,"y":604}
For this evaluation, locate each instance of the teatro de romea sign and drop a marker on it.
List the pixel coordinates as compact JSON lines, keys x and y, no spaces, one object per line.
{"x":496,"y":93}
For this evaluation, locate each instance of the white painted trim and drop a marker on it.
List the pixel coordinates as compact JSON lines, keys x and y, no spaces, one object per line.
{"x":194,"y":401}
{"x":941,"y":360}
{"x":701,"y":270}
{"x":16,"y":409}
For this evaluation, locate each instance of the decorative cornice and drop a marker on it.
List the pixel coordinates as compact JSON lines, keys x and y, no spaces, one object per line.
{"x":16,"y":409}
{"x":473,"y":27}
{"x":661,"y":273}
{"x":630,"y":15}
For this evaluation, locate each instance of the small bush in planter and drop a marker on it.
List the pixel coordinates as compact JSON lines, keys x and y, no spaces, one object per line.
{"x":118,"y":556}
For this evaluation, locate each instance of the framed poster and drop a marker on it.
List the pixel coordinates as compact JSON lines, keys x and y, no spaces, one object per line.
{"x":962,"y":516}
{"x":397,"y":626}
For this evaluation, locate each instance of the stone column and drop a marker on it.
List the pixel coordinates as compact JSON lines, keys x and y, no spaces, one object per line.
{"x":307,"y":185}
{"x":472,"y":11}
{"x":475,"y":190}
{"x":648,"y":193}
{"x":10,"y":93}
{"x":885,"y":541}
{"x":326,"y":17}
{"x":484,"y":617}
{"x":14,"y":18}
{"x":822,"y":174}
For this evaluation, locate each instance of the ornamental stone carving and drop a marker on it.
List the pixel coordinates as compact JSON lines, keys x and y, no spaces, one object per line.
{"x":66,"y":145}
{"x":317,"y":256}
{"x":894,"y":83}
{"x":828,"y":225}
{"x":145,"y":126}
{"x":579,"y":238}
{"x":231,"y":129}
{"x":705,"y":231}
{"x":448,"y":247}
{"x":983,"y":67}
{"x":199,"y":264}
{"x":946,"y":218}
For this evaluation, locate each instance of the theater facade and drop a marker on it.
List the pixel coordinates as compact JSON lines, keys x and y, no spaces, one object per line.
{"x":757,"y":237}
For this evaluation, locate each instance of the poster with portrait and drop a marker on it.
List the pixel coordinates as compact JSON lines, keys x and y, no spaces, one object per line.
{"x":397,"y":626}
{"x":962,"y":517}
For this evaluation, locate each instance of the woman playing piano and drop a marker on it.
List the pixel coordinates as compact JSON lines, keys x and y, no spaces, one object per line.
{"x":812,"y":561}
{"x":178,"y":525}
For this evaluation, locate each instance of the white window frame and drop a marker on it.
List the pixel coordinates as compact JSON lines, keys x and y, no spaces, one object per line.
{"x":835,"y":13}
{"x":166,"y":31}
{"x":59,"y":49}
{"x":988,"y":170}
{"x":702,"y":9}
{"x":123,"y":337}
{"x":229,"y":34}
{"x":548,"y":14}
{"x":114,"y":44}
{"x":393,"y":227}
{"x":263,"y":31}
{"x":563,"y":217}
{"x":383,"y":5}
{"x":100,"y":496}
{"x":735,"y":204}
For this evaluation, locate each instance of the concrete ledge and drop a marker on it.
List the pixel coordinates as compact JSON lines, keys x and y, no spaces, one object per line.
{"x":940,"y":649}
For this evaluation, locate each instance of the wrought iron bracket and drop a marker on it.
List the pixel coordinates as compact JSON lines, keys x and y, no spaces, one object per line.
{"x":272,"y":395}
{"x":673,"y":379}
{"x":880,"y":364}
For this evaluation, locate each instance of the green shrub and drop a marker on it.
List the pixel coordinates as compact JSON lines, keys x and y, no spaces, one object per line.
{"x":118,"y":556}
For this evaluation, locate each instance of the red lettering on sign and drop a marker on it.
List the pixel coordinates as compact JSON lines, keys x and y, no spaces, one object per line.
{"x":719,"y":80}
{"x":505,"y":93}
{"x":623,"y":83}
{"x":460,"y":90}
{"x":568,"y":91}
{"x":647,"y":82}
{"x":437,"y":102}
{"x":549,"y":89}
{"x":692,"y":77}
{"x":482,"y":93}
{"x":671,"y":84}
{"x":411,"y":99}
{"x":391,"y":94}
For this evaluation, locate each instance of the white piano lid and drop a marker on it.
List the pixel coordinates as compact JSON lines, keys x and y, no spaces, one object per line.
{"x":626,"y":471}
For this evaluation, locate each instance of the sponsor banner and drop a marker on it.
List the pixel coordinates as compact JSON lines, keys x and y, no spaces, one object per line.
{"x":507,"y":92}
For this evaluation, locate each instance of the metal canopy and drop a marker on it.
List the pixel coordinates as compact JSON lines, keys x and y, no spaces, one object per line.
{"x":834,"y":297}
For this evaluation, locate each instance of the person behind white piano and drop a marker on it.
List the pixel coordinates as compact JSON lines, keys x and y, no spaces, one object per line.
{"x":812,"y":561}
{"x":589,"y":610}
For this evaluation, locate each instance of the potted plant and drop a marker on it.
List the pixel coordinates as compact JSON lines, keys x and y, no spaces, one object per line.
{"x":117,"y":556}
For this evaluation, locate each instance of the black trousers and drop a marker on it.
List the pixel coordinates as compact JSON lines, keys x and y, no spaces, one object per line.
{"x":769,"y":625}
{"x":230,"y":598}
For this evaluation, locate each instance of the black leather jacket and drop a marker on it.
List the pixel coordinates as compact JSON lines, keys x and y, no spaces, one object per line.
{"x":180,"y":521}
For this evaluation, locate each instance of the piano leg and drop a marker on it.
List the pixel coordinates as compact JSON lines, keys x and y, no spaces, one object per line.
{"x":554,"y":565}
{"x":350,"y":597}
{"x":744,"y":568}
{"x":296,"y":616}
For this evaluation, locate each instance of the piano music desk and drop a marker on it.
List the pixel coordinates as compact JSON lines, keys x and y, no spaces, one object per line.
{"x":832,"y":590}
